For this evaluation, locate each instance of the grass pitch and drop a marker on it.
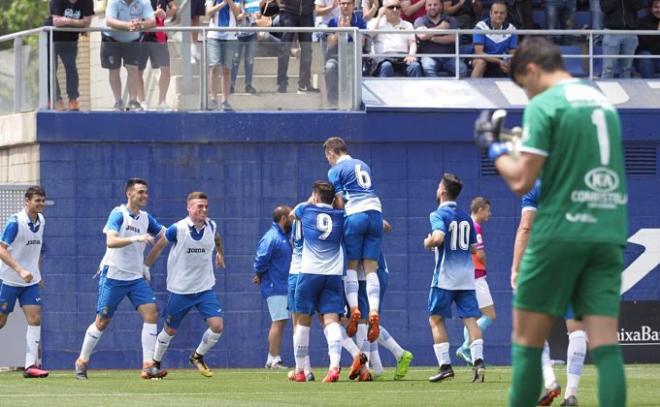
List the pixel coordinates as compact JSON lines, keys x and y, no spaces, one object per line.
{"x":260,"y":387}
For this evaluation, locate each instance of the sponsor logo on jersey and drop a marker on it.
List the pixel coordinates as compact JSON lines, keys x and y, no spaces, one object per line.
{"x":581,"y":218}
{"x":602,"y":179}
{"x":131,"y":228}
{"x":196,"y":250}
{"x":31,"y":242}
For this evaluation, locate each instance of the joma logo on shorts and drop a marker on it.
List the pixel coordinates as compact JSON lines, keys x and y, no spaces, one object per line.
{"x":191,"y":250}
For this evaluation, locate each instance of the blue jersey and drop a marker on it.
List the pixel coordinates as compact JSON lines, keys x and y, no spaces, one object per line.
{"x":323,"y":229}
{"x":272,"y":261}
{"x":530,"y":200}
{"x":352,"y":178}
{"x":495,"y":43}
{"x":454,"y":269}
{"x":297,"y":245}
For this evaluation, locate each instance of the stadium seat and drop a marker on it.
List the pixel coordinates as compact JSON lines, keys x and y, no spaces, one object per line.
{"x":540,"y":19}
{"x":582,"y":19}
{"x":574,"y":65}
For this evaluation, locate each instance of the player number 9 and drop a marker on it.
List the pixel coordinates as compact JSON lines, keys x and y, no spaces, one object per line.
{"x":324,"y":224}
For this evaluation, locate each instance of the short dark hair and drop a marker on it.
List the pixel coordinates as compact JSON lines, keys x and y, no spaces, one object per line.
{"x":502,"y":2}
{"x":133,"y":181}
{"x":453,"y":185}
{"x":34,"y":190}
{"x":479,"y":202}
{"x":279,"y":211}
{"x":325,"y":191}
{"x":335,"y":144}
{"x":196,"y":195}
{"x":538,"y":50}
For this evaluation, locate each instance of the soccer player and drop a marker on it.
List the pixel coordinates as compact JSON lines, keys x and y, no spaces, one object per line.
{"x":123,"y":274}
{"x":480,"y":213}
{"x":453,"y":239}
{"x":319,"y":287}
{"x":190,"y":279}
{"x":363,"y":229}
{"x":20,"y":275}
{"x":272,"y":264}
{"x":572,"y":141}
{"x":577,"y":337}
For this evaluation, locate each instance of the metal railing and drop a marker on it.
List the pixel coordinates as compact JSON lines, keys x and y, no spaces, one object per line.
{"x":349,"y":56}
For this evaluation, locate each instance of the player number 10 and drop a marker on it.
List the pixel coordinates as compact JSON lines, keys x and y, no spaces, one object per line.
{"x":460,"y":235}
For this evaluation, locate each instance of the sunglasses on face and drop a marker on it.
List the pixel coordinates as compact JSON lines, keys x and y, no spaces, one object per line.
{"x":394,"y":7}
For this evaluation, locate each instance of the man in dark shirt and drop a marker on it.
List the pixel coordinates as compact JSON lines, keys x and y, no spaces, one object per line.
{"x":650,"y":44}
{"x":619,"y":15}
{"x":69,"y":14}
{"x":296,"y":13}
{"x":437,"y":43}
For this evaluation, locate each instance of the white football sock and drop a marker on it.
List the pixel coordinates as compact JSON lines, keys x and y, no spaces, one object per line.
{"x":361,"y":339}
{"x":92,"y":336}
{"x":348,"y":343}
{"x":386,"y":340}
{"x":477,"y":350}
{"x":301,"y":346}
{"x":351,"y":287}
{"x":149,"y":334}
{"x":442,"y":353}
{"x":333,"y":335}
{"x":209,"y":339}
{"x":577,"y":350}
{"x":308,"y":366}
{"x":162,"y":343}
{"x":32,"y":339}
{"x":374,"y":359}
{"x":548,"y":372}
{"x":373,"y":291}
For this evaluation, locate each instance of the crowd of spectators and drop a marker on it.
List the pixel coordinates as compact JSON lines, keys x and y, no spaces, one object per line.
{"x":386,"y":54}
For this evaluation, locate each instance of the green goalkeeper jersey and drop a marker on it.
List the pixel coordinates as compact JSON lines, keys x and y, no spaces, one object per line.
{"x":584,"y":195}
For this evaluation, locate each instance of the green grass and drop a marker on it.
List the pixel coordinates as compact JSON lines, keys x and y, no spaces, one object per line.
{"x":260,"y":387}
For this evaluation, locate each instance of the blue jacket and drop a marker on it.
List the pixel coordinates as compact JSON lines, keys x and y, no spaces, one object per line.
{"x":272,"y":261}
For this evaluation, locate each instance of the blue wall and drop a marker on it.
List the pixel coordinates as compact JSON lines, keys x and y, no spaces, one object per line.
{"x":248,"y":163}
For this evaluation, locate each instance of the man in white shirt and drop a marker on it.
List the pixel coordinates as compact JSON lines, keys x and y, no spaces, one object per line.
{"x":402,"y":46}
{"x":190,"y":279}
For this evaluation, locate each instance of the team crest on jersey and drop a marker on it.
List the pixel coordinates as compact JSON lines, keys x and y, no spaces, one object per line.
{"x":105,"y":311}
{"x":4,"y":306}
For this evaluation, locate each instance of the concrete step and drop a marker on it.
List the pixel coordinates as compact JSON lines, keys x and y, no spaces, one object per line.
{"x":262,"y":66}
{"x":263,"y":83}
{"x":272,"y":101}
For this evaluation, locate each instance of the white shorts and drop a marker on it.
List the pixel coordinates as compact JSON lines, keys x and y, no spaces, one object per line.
{"x":482,"y":290}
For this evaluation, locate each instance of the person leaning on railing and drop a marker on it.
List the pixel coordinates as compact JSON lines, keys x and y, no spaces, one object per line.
{"x":494,"y":44}
{"x":69,"y":14}
{"x":650,"y":44}
{"x":384,"y":43}
{"x":437,"y":43}
{"x":347,"y":18}
{"x":619,"y":15}
{"x":127,"y":18}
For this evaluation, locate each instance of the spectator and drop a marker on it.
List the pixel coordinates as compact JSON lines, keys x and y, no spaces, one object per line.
{"x":325,"y":10}
{"x":347,"y":18}
{"x":128,"y":18}
{"x":596,"y":19}
{"x":561,"y":15}
{"x":222,"y":46}
{"x":389,"y":18}
{"x":466,"y":12}
{"x":524,"y":11}
{"x":296,"y":13}
{"x":197,"y":9}
{"x":411,"y":10}
{"x":70,"y":14}
{"x":650,"y":44}
{"x":271,"y":267}
{"x":247,"y":45}
{"x":619,"y":15}
{"x":494,"y":44}
{"x":370,"y":8}
{"x":155,"y":48}
{"x":437,"y":43}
